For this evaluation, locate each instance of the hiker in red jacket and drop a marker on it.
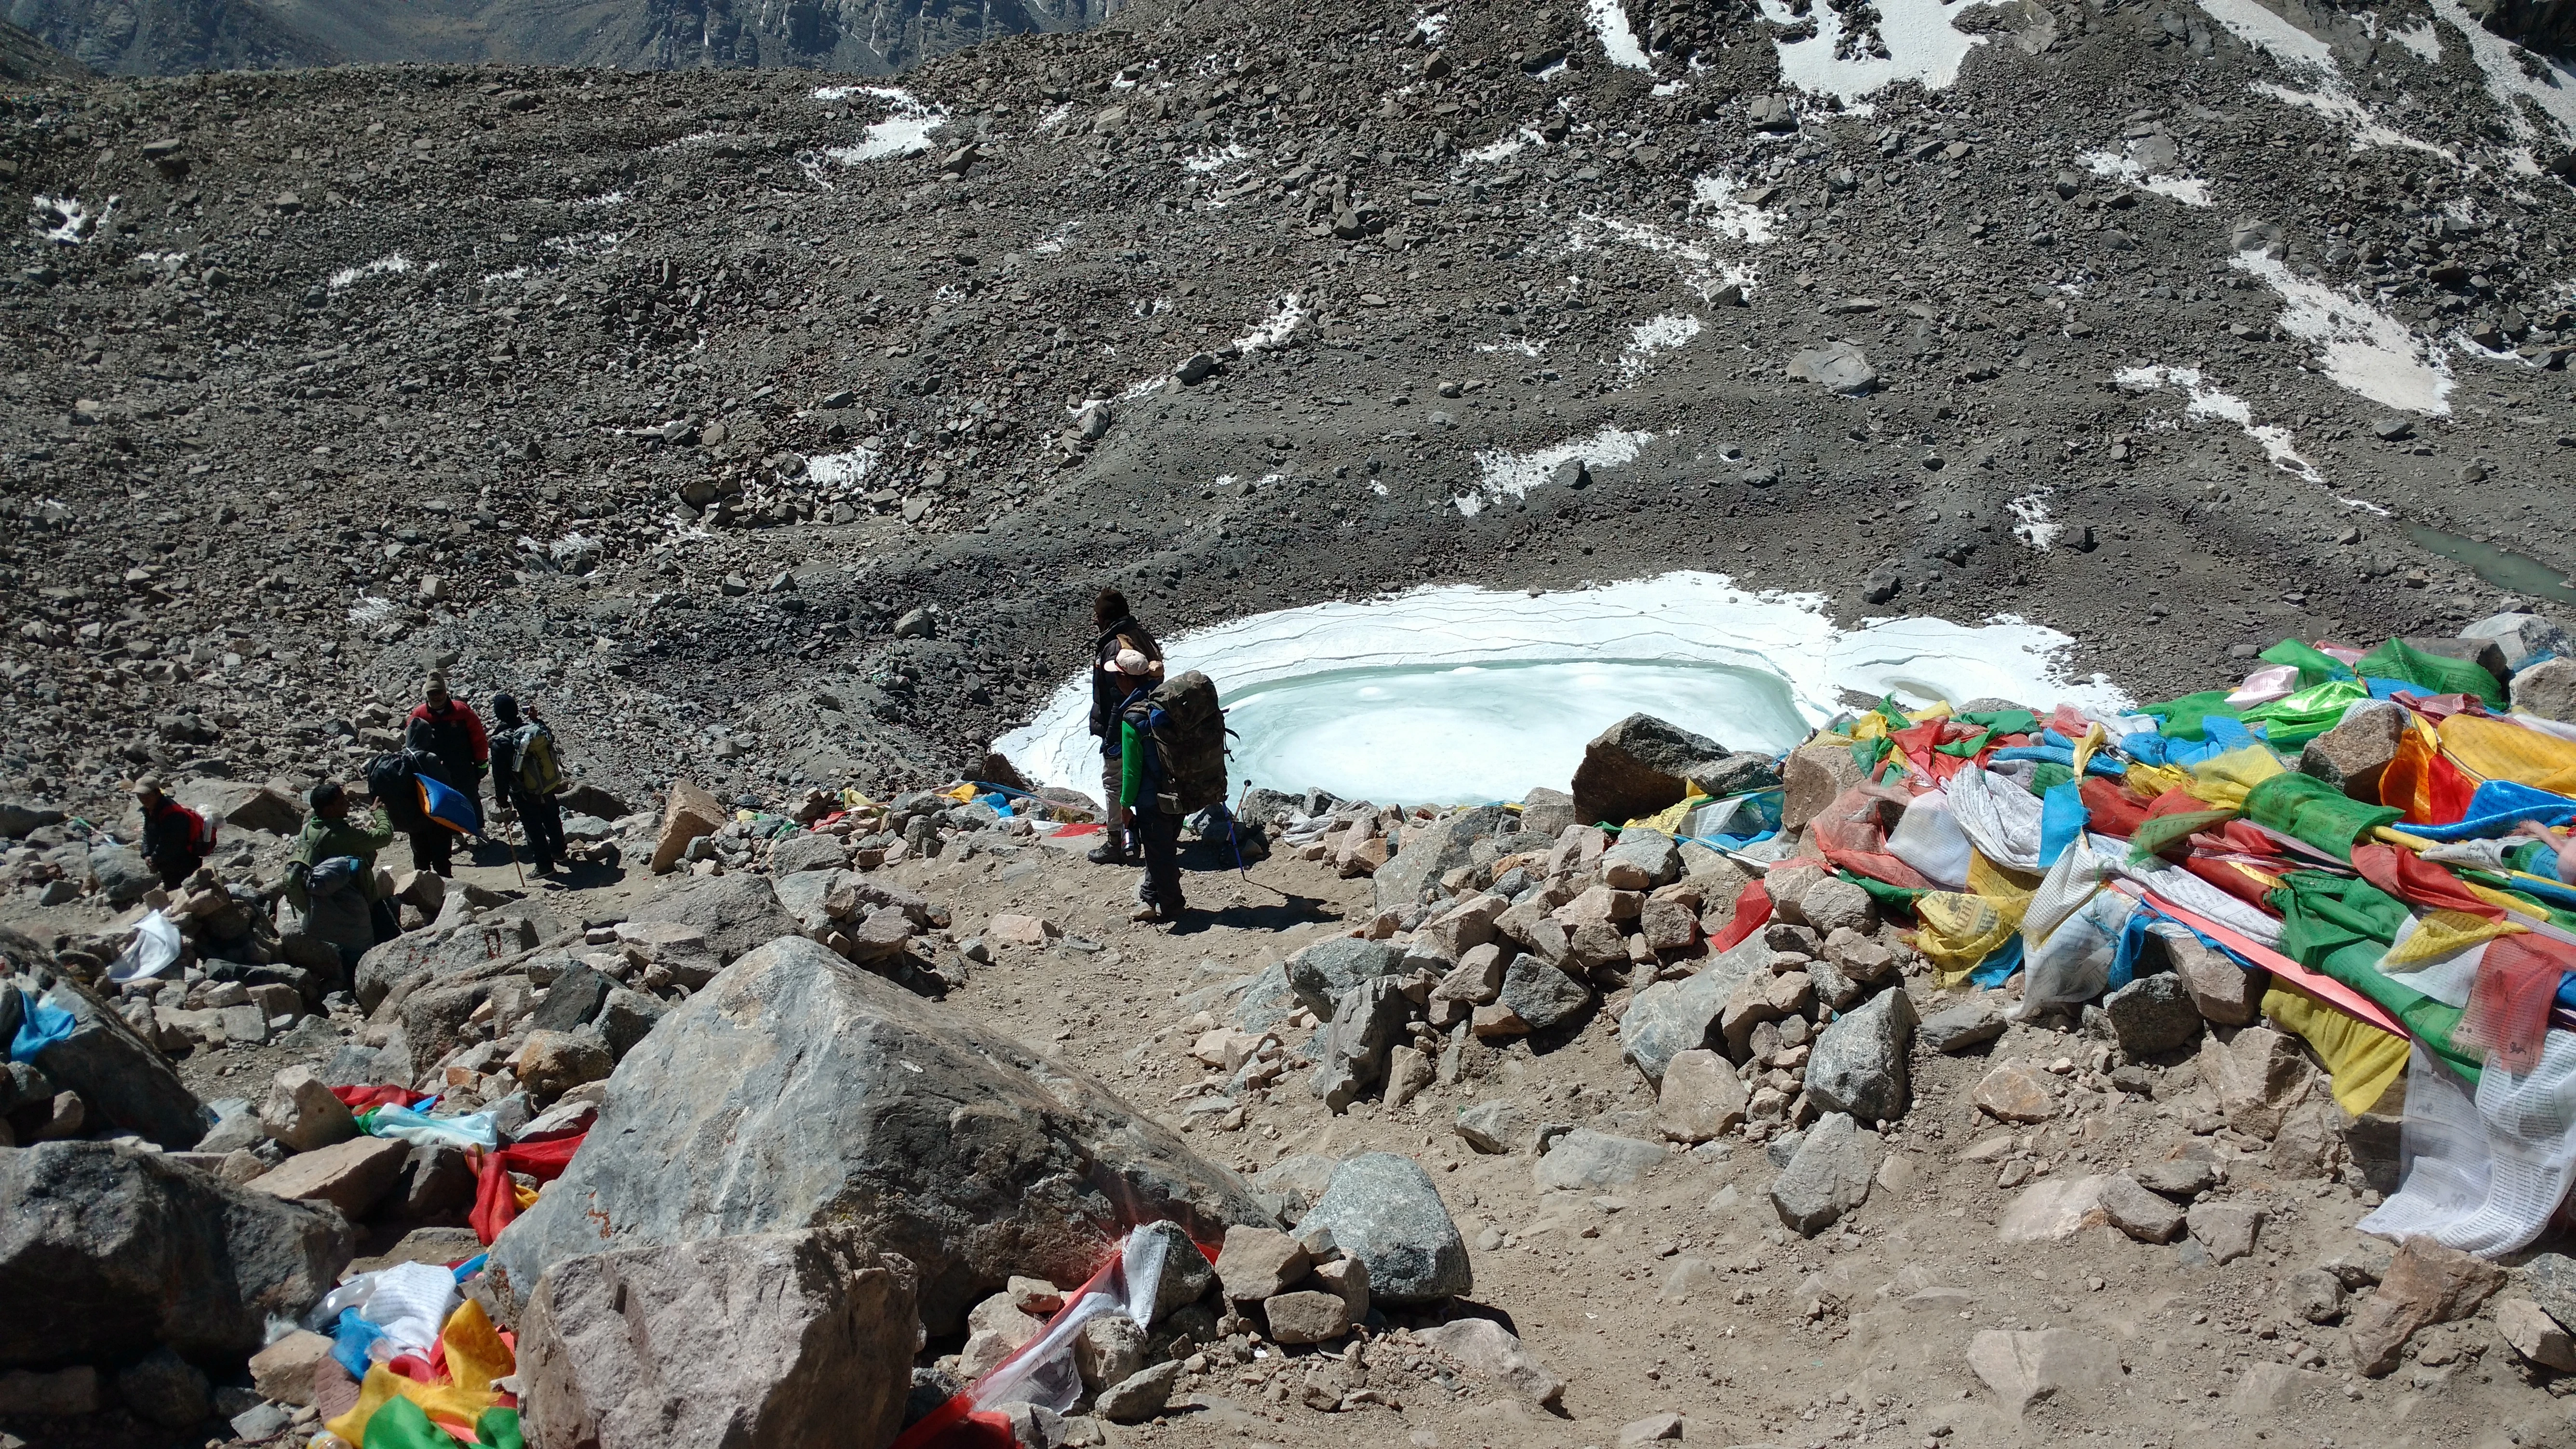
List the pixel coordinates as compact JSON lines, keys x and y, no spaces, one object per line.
{"x":455,"y":735}
{"x":170,"y":834}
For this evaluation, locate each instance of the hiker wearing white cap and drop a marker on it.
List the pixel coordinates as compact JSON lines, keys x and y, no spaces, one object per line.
{"x":1121,"y":640}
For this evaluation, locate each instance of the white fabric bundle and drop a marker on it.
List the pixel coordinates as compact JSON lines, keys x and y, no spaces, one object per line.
{"x":2000,"y":817}
{"x":2485,"y":1172}
{"x":1927,"y":837}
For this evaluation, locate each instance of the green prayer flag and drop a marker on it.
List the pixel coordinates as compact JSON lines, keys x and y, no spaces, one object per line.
{"x":2307,"y":808}
{"x":2434,"y":673}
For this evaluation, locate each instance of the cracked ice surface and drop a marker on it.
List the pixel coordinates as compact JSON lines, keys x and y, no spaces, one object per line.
{"x":1458,"y":693}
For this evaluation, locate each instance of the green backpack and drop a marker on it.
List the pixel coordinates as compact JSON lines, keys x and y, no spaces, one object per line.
{"x":1189,"y":744}
{"x":540,"y":773}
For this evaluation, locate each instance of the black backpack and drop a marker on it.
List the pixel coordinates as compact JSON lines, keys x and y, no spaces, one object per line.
{"x":1188,"y":730}
{"x":394,"y":780}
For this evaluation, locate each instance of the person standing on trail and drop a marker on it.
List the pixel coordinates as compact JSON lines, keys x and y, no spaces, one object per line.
{"x":171,"y":834}
{"x":331,"y":875}
{"x":1157,"y":833}
{"x":1119,"y":634}
{"x":525,"y":779}
{"x":455,"y":735}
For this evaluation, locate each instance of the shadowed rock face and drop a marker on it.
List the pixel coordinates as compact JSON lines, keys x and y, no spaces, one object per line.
{"x":865,"y":37}
{"x":798,"y":1090}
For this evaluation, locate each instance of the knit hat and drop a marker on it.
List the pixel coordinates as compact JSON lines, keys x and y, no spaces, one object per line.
{"x":436,"y":683}
{"x":505,"y":707}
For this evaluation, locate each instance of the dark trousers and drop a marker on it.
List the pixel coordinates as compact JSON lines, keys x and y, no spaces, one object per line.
{"x":433,"y":847}
{"x":544,"y":820}
{"x":175,"y":868}
{"x":1159,"y":836}
{"x":1113,"y":816}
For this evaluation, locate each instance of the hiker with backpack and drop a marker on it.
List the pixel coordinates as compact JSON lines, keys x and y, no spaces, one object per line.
{"x":455,"y":735}
{"x":176,"y":839}
{"x":1119,"y":634}
{"x":395,"y":779}
{"x":526,"y":777}
{"x":331,"y":875}
{"x":1171,"y":752}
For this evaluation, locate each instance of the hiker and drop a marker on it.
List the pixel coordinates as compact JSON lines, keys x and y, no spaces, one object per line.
{"x":526,"y":776}
{"x":1157,"y":834}
{"x":1119,"y":633}
{"x":175,"y":838}
{"x":456,"y":736}
{"x":433,"y":846}
{"x":331,"y":875}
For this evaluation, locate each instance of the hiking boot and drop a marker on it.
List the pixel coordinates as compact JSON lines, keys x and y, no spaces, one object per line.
{"x":1149,"y":915}
{"x":1109,"y":852}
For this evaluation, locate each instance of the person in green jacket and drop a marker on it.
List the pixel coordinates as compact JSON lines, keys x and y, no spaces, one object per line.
{"x":331,"y":875}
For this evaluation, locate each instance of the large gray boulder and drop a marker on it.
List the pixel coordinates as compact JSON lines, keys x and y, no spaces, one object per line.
{"x":1383,"y":1210}
{"x":123,"y":1079}
{"x":737,"y":912}
{"x":1672,"y":1017}
{"x":1325,"y":972}
{"x":1353,"y":1047}
{"x":1432,"y":851}
{"x":1643,"y":764}
{"x":438,"y":953}
{"x":765,"y":1341}
{"x":107,"y":1250}
{"x":1828,"y":1176}
{"x":1858,"y":1063}
{"x":796,"y":1089}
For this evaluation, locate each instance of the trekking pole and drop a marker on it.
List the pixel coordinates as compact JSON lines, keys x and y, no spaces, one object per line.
{"x":507,"y":845}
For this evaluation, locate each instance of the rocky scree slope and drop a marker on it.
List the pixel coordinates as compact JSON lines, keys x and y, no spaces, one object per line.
{"x":776,"y":432}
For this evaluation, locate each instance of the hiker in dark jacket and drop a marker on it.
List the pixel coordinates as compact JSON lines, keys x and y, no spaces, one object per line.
{"x":515,"y":786}
{"x":169,"y":834}
{"x":433,"y":846}
{"x":1140,"y":786}
{"x":1119,"y":632}
{"x":456,"y":736}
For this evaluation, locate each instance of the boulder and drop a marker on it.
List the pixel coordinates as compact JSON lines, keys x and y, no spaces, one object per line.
{"x":574,"y":1000}
{"x":2521,"y":639}
{"x":552,"y":1063}
{"x":1651,"y":853}
{"x":939,"y":1138}
{"x":1306,"y":1316}
{"x":2018,"y":1092}
{"x":1539,"y":994}
{"x":2224,"y":993}
{"x":2141,"y":1214}
{"x":2258,"y":1078}
{"x":17,"y":818}
{"x":798,"y":1340}
{"x":1324,"y":973}
{"x":627,"y":1018}
{"x":2225,"y":1229}
{"x":1643,"y":764}
{"x":1834,"y":904}
{"x":2153,"y":1014}
{"x":1256,"y":1263}
{"x":1962,"y":1028}
{"x":737,"y":912}
{"x":1352,"y":1051}
{"x":1672,"y":1017}
{"x":245,"y":806}
{"x":1828,"y":1176}
{"x":2426,"y":1284}
{"x":2547,"y":689}
{"x":1834,"y":366}
{"x":2053,"y":1363}
{"x":123,"y":1080}
{"x":1432,"y":851}
{"x":1812,"y":777}
{"x":1139,"y":1396}
{"x":1491,"y":1126}
{"x":1491,"y":1352}
{"x":1383,"y":1210}
{"x":106,"y":1250}
{"x":351,"y":1176}
{"x":284,"y":1370}
{"x":689,"y":813}
{"x":1586,"y":1160}
{"x":438,"y":953}
{"x":1700,"y":1098}
{"x":1545,"y":811}
{"x":2535,"y":1335}
{"x":799,"y":853}
{"x":2053,"y":1210}
{"x":1858,"y":1063}
{"x":119,"y":873}
{"x":165,"y":1389}
{"x":2351,"y":756}
{"x":302,"y":1114}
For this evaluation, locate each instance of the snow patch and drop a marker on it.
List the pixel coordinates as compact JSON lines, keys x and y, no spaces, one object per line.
{"x":1432,"y":25}
{"x":2363,"y":350}
{"x":904,"y":132}
{"x":1652,"y":336}
{"x":1713,"y":203}
{"x":1211,"y":158}
{"x":369,"y":611}
{"x":1460,"y":693}
{"x":1504,"y":149}
{"x":1521,"y":345}
{"x":2425,"y":40}
{"x":1922,"y":46}
{"x":1147,"y":388}
{"x":381,"y":266}
{"x":834,"y":469}
{"x":1274,"y":330}
{"x":2206,"y":400}
{"x":1700,"y":269}
{"x":2269,"y":33}
{"x":1609,"y":21}
{"x":1506,"y":474}
{"x":67,"y":219}
{"x":2187,"y":190}
{"x":2032,"y":525}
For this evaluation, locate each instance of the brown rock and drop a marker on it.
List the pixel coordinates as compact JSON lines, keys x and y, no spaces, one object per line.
{"x":2535,"y":1335}
{"x":2226,"y":994}
{"x":2258,"y":1078}
{"x":2226,"y":1229}
{"x":1668,"y":925}
{"x":2018,"y":1092}
{"x":2054,"y":1363}
{"x":763,"y":1341}
{"x":1813,"y":776}
{"x":1259,"y":1263}
{"x":552,"y":1063}
{"x":1701,"y":1097}
{"x":284,"y":1370}
{"x":2351,"y":756}
{"x":351,"y":1176}
{"x":302,"y":1114}
{"x":1490,"y":1351}
{"x":1306,"y":1317}
{"x":1015,"y":930}
{"x":2426,"y":1284}
{"x":1642,"y":764}
{"x":2141,"y":1214}
{"x":690,"y":813}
